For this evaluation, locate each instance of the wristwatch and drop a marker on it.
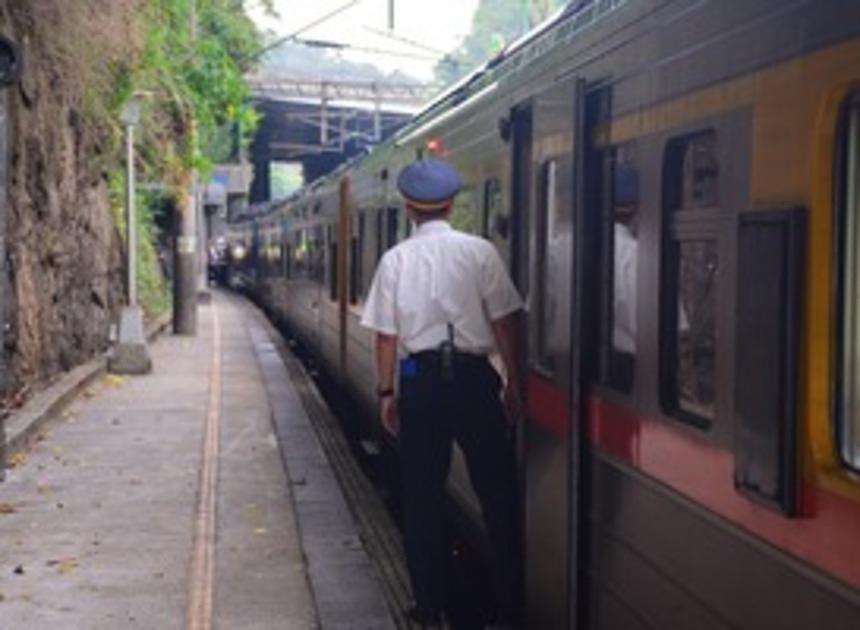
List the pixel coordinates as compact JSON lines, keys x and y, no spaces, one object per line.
{"x":385,"y":393}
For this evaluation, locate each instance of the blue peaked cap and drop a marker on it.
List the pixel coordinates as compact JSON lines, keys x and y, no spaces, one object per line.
{"x":429,"y":184}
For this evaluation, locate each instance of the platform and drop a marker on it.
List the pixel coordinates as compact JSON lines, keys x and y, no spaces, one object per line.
{"x":197,"y":496}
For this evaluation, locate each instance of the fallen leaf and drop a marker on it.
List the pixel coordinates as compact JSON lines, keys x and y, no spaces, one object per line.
{"x":114,"y":381}
{"x":7,"y":508}
{"x":2,"y":597}
{"x":64,"y":565}
{"x":17,"y":459}
{"x":19,"y":570}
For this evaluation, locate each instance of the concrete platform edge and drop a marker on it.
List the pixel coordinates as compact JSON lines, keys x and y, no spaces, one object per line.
{"x":22,"y":426}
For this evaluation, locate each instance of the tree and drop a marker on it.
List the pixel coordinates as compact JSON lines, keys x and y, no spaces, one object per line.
{"x":496,"y":23}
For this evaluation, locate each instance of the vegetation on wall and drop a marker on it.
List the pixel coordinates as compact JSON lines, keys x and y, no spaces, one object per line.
{"x":189,"y":71}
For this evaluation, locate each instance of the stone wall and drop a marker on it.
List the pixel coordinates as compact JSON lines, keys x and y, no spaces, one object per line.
{"x":62,"y":282}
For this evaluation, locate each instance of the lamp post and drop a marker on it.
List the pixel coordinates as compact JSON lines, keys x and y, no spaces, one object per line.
{"x":131,"y":355}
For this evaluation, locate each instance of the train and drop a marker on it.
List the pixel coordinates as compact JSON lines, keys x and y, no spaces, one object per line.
{"x":675,"y":188}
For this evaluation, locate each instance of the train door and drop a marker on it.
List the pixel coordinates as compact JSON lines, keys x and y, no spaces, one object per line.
{"x":542,"y":258}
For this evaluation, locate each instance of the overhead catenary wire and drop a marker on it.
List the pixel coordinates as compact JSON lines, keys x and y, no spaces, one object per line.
{"x":319,"y":43}
{"x":404,"y":40}
{"x":312,"y":24}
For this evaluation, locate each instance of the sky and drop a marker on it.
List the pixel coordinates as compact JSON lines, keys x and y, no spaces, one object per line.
{"x":439,"y":26}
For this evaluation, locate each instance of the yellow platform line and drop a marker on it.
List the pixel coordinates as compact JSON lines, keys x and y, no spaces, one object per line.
{"x":202,"y":584}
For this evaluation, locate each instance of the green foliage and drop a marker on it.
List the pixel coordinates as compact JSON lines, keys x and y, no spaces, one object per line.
{"x":285,"y":179}
{"x":190,"y":66}
{"x":194,"y":69}
{"x":152,"y":288}
{"x":496,"y":24}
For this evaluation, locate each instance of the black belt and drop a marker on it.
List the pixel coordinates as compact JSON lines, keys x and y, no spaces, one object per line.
{"x":434,"y":356}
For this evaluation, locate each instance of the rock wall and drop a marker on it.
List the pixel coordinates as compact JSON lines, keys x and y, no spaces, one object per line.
{"x":63,"y":280}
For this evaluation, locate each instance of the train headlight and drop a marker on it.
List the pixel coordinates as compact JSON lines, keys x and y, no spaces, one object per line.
{"x":238,"y":251}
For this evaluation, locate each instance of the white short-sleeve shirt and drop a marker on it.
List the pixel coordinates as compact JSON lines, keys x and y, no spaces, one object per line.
{"x":437,"y":276}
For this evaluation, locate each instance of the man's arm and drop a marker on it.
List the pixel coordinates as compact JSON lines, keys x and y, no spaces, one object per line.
{"x":507,"y":331}
{"x":386,"y":357}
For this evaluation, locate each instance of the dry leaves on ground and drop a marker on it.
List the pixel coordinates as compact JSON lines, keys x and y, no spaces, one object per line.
{"x":17,"y":459}
{"x":112,"y":380}
{"x":64,"y":565}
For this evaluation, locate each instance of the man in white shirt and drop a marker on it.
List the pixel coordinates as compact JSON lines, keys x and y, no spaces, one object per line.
{"x":443,"y":301}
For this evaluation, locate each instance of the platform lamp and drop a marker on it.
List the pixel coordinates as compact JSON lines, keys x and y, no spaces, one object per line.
{"x":131,"y":355}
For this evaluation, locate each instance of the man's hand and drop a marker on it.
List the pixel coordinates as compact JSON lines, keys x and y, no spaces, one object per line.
{"x":508,"y":331}
{"x":388,"y":415}
{"x":386,"y":357}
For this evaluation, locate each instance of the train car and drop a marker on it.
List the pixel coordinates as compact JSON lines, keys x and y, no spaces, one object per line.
{"x":675,"y":187}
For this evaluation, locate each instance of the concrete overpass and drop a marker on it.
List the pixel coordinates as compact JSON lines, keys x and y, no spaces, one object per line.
{"x":320,"y":124}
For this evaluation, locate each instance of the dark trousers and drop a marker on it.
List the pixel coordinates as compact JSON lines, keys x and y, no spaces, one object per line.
{"x":433,"y":413}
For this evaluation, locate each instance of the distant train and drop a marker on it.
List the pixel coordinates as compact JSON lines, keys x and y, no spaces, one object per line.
{"x":675,"y":186}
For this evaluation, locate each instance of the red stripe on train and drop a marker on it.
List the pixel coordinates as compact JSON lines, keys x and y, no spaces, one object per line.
{"x":547,"y":405}
{"x":825,"y":536}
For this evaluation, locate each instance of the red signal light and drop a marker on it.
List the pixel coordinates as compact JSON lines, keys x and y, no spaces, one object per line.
{"x":434,"y":146}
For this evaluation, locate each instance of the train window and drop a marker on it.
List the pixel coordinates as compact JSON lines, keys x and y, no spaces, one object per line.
{"x":621,"y":259}
{"x":380,"y":234}
{"x":689,"y":292}
{"x":699,"y":172}
{"x":392,"y":227}
{"x":356,"y":262}
{"x":695,"y":328}
{"x":316,"y":254}
{"x":552,"y":265}
{"x":545,"y":220}
{"x":848,"y":413}
{"x":492,"y":206}
{"x":332,"y":264}
{"x":464,"y":216}
{"x":354,"y":266}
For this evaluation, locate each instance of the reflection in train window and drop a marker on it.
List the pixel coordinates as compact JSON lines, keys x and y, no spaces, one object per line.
{"x":848,"y":428}
{"x":695,"y":326}
{"x":298,"y":266}
{"x":697,"y":168}
{"x":552,"y":267}
{"x":622,"y":257}
{"x":465,"y":217}
{"x":689,"y":291}
{"x":492,"y":206}
{"x":316,"y":254}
